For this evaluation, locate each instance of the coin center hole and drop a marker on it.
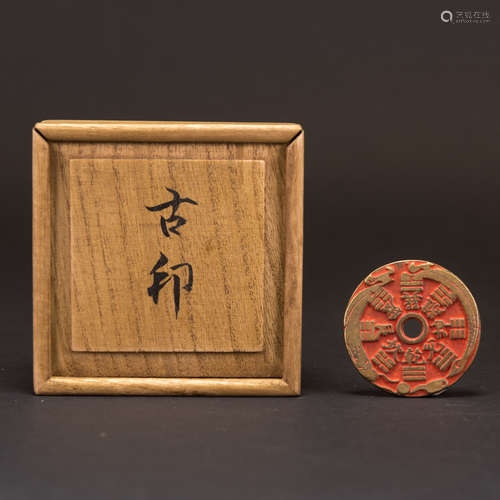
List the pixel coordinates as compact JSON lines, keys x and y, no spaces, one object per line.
{"x":412,"y":328}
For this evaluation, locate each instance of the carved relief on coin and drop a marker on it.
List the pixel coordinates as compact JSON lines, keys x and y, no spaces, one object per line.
{"x":412,"y":328}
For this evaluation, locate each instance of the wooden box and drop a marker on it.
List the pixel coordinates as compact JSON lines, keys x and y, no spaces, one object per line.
{"x":167,"y":258}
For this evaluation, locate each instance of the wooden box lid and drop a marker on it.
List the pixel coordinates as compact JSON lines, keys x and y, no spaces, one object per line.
{"x":167,"y":257}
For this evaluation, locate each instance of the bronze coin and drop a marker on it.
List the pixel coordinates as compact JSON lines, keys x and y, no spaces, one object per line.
{"x":412,"y":328}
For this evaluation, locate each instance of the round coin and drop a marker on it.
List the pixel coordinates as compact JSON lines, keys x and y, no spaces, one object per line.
{"x":412,"y":328}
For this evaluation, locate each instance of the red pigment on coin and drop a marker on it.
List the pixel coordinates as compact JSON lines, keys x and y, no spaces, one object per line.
{"x":412,"y":361}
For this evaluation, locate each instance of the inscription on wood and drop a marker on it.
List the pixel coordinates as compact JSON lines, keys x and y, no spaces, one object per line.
{"x":167,"y":258}
{"x":167,"y":255}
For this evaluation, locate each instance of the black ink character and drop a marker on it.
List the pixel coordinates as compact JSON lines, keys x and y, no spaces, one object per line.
{"x":174,"y":203}
{"x":161,"y":278}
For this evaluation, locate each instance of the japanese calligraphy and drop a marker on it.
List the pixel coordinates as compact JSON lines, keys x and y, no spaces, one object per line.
{"x":177,"y":220}
{"x":161,"y":278}
{"x":180,"y":275}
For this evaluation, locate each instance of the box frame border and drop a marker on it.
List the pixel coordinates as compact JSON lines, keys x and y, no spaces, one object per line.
{"x":118,"y":131}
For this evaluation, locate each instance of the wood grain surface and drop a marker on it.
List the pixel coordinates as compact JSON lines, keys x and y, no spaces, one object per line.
{"x":58,"y":369}
{"x":142,"y":386}
{"x":42,"y":262}
{"x":294,"y":241}
{"x":116,"y":241}
{"x":82,"y":130}
{"x":267,"y":363}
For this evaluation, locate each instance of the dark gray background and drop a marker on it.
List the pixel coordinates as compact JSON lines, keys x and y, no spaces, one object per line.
{"x":402,"y":147}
